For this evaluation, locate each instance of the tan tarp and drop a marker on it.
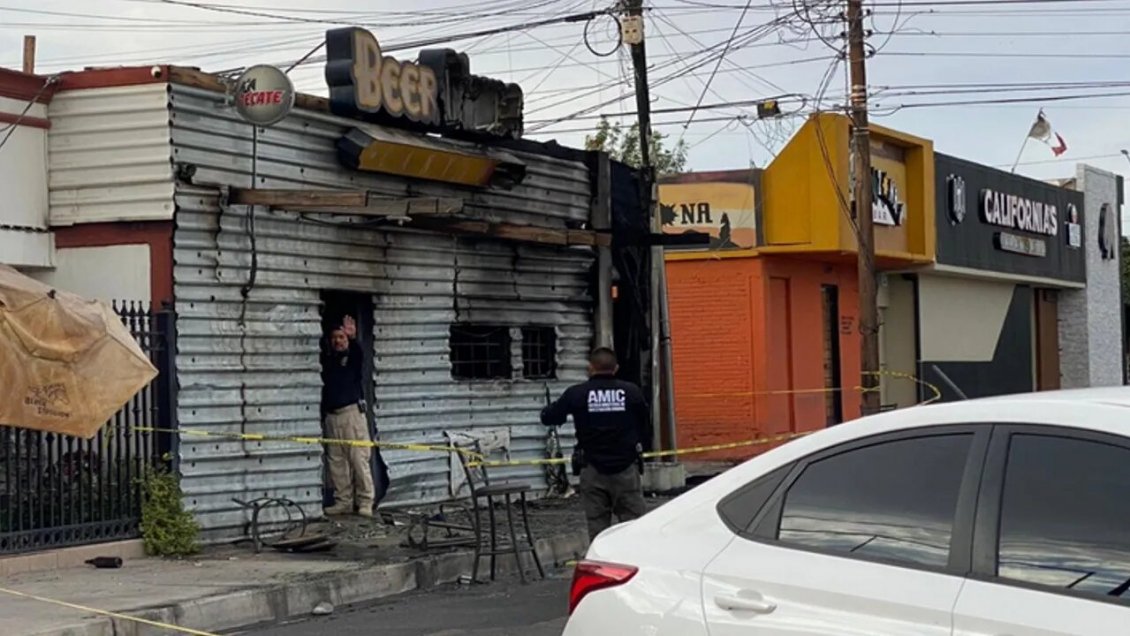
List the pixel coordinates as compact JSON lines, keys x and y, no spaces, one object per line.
{"x":66,"y":364}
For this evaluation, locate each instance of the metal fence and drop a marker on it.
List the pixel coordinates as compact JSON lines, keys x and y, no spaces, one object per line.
{"x":57,"y":490}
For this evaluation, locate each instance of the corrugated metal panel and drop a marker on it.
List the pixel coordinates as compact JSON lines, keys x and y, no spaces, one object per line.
{"x":110,"y":156}
{"x":421,"y":283}
{"x":300,"y":151}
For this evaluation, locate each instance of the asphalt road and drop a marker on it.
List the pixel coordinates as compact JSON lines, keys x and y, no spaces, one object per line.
{"x":498,"y":609}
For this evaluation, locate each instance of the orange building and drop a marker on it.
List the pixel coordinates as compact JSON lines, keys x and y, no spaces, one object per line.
{"x":764,"y":321}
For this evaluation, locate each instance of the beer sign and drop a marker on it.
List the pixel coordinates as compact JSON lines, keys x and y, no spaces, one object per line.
{"x":364,"y":81}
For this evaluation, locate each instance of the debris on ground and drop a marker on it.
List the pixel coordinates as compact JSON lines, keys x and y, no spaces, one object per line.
{"x":323,"y":609}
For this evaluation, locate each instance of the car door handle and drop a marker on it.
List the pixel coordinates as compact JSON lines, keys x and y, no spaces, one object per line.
{"x":745,"y":602}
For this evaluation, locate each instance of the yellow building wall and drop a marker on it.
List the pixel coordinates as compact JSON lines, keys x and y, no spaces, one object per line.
{"x":808,"y":198}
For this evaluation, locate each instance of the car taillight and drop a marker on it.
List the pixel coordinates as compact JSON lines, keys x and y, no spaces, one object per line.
{"x":590,"y":576}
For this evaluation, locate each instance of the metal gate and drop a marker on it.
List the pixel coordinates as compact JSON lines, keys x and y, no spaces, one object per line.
{"x":58,"y":491}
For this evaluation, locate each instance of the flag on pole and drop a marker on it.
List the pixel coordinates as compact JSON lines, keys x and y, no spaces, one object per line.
{"x":1042,"y":131}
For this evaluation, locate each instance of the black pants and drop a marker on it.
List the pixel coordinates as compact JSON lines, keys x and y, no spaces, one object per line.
{"x":604,"y":495}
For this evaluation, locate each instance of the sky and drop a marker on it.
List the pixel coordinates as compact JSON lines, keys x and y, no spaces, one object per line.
{"x":969,"y":74}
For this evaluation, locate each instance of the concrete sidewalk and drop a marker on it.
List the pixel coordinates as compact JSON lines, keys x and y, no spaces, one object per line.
{"x":231,"y":589}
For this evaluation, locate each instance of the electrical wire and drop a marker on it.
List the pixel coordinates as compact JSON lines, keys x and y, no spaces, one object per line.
{"x":993,"y":54}
{"x":706,"y":56}
{"x":619,"y":37}
{"x":725,"y":50}
{"x":626,"y":95}
{"x":10,"y":129}
{"x":883,"y":111}
{"x":690,"y":35}
{"x":910,"y":3}
{"x":683,"y":109}
{"x":575,"y":17}
{"x":671,"y":47}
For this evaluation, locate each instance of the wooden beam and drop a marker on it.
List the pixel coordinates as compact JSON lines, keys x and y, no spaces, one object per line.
{"x":299,"y":198}
{"x":29,"y":54}
{"x":355,"y":202}
{"x":507,"y":231}
{"x":601,"y":216}
{"x":425,"y":213}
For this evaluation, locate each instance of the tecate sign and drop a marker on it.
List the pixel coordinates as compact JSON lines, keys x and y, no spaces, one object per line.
{"x":264,"y":95}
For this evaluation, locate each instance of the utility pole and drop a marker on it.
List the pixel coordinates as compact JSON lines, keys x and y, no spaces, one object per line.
{"x":662,"y":401}
{"x":634,"y":10}
{"x":861,"y":154}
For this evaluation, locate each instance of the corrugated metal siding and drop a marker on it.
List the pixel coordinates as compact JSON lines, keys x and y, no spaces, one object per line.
{"x":421,"y":283}
{"x":110,"y":156}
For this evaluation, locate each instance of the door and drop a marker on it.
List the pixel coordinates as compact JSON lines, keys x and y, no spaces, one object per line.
{"x":869,"y":539}
{"x":1047,"y":340}
{"x":336,"y":305}
{"x":1052,"y":543}
{"x":833,"y":398}
{"x":782,"y":414}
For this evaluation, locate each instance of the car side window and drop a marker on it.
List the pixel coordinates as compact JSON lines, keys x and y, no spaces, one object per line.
{"x":1065,"y":515}
{"x":892,"y":501}
{"x":739,"y":508}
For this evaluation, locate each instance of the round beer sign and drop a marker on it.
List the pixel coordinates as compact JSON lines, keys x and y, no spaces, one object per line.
{"x":264,"y":95}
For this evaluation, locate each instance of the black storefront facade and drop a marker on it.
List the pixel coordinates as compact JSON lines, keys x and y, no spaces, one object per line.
{"x":988,"y":310}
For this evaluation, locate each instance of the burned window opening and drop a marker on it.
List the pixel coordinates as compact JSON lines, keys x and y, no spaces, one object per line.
{"x":480,"y":352}
{"x":539,"y":352}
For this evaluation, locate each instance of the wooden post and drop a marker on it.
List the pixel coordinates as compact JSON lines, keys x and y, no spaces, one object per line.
{"x":29,"y":54}
{"x":602,"y":222}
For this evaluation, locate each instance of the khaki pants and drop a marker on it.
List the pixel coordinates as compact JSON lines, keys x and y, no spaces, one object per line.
{"x":349,"y":465}
{"x":604,"y":495}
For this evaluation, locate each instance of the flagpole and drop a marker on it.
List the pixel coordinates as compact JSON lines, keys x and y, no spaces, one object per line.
{"x":1021,"y":153}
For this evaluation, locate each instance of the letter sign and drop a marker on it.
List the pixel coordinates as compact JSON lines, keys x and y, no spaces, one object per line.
{"x":363,"y":81}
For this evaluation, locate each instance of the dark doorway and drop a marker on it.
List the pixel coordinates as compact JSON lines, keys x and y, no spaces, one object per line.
{"x":1047,"y":340}
{"x":336,"y":305}
{"x":834,"y":406}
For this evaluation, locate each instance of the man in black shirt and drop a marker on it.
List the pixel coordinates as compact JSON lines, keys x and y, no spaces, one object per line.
{"x":342,"y":401}
{"x":613,"y":424}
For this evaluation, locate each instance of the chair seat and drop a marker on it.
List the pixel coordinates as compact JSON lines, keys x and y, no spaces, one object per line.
{"x":502,"y":488}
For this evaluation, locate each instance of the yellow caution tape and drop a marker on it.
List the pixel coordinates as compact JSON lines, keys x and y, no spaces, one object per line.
{"x":478,"y":459}
{"x":653,"y":454}
{"x":318,"y":441}
{"x":893,"y":374}
{"x":124,"y":617}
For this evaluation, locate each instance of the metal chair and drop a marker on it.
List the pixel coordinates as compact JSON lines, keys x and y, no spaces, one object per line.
{"x":485,"y":491}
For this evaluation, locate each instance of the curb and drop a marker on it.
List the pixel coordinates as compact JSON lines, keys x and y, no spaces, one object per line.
{"x":274,"y":603}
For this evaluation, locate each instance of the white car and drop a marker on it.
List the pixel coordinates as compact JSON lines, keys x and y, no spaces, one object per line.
{"x":995,"y":517}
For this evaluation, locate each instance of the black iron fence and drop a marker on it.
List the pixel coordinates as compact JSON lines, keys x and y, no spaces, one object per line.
{"x":57,"y":490}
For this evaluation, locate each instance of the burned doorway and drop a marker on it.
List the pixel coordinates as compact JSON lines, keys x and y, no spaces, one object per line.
{"x":833,"y":396}
{"x":336,"y":305}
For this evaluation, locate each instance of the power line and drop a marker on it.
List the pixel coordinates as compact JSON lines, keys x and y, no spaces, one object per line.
{"x":574,"y":89}
{"x":10,"y":129}
{"x":890,"y":110}
{"x":575,"y":17}
{"x":907,"y":3}
{"x":707,"y":55}
{"x":1115,"y":155}
{"x":744,"y":103}
{"x":725,"y":50}
{"x":999,"y":34}
{"x":992,"y":54}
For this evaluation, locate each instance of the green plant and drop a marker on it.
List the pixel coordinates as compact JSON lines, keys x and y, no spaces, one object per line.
{"x":167,"y":529}
{"x":624,"y":145}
